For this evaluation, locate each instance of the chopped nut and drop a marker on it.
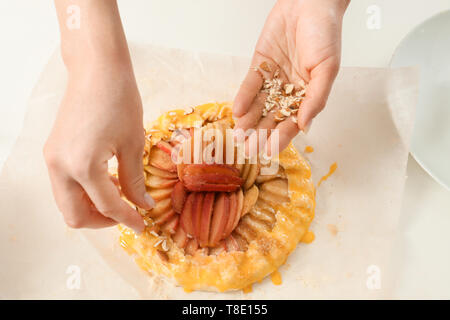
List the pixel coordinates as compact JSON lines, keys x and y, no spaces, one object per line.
{"x":265,"y":66}
{"x":279,"y":119}
{"x":302,"y":83}
{"x":142,"y":212}
{"x":285,"y":112}
{"x":282,"y":99}
{"x":277,"y":73}
{"x":288,"y":88}
{"x":189,"y":111}
{"x":165,"y":246}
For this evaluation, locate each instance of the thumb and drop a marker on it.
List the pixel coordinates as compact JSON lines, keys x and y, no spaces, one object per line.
{"x":318,"y":89}
{"x":131,"y":177}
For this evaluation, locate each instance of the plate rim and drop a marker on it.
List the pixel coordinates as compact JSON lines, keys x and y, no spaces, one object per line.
{"x":414,"y":154}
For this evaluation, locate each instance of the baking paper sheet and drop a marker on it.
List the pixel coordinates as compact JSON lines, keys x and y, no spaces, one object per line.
{"x":365,"y":129}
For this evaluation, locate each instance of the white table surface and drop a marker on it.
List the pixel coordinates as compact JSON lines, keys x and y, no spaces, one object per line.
{"x":29,"y":34}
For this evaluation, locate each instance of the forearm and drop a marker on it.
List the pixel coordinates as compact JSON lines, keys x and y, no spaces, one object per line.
{"x":98,"y":38}
{"x":343,"y":4}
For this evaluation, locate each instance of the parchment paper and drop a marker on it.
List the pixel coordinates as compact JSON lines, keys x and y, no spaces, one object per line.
{"x":365,"y":129}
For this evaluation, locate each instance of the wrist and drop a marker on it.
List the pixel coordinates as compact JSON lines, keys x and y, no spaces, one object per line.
{"x":99,"y":39}
{"x":83,"y":56}
{"x":342,"y":5}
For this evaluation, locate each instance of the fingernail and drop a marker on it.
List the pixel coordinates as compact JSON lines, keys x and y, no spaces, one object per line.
{"x":307,"y":127}
{"x":238,"y":135}
{"x":149,"y":201}
{"x":139,"y":231}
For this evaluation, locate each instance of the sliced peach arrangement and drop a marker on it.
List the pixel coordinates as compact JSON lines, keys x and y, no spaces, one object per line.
{"x":210,"y":217}
{"x":217,"y":226}
{"x":198,"y":205}
{"x":210,"y":177}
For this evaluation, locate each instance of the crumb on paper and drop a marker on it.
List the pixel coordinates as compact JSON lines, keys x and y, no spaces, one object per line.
{"x":309,"y":149}
{"x":333,"y":229}
{"x":332,"y":169}
{"x":189,"y":111}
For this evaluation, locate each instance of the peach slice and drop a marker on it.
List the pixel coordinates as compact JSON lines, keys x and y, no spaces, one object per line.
{"x":160,"y":194}
{"x":240,"y":167}
{"x":278,"y":187}
{"x":180,"y":238}
{"x":159,"y":183}
{"x":251,"y":177}
{"x":256,"y":224}
{"x":197,"y":213}
{"x":263,"y":212}
{"x":221,"y":247}
{"x":220,"y":218}
{"x":160,"y":173}
{"x":186,"y":215}
{"x":180,"y":170}
{"x":200,"y":169}
{"x":163,"y":218}
{"x":191,"y":247}
{"x":211,"y":178}
{"x":212,"y":187}
{"x":245,"y":231}
{"x":245,"y":170}
{"x":205,"y":223}
{"x":171,"y":225}
{"x":231,"y":244}
{"x":161,"y":207}
{"x":165,"y":146}
{"x":178,"y":197}
{"x":240,"y":205}
{"x":242,"y":243}
{"x":161,"y":160}
{"x":233,"y":213}
{"x":250,"y":197}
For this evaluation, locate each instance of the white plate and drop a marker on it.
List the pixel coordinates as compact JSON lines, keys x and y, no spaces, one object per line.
{"x":428,"y":46}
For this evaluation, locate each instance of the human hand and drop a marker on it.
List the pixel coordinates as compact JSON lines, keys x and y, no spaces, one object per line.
{"x":302,"y":39}
{"x":100,"y":117}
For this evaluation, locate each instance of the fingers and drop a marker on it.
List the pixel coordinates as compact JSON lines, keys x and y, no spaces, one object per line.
{"x":317,"y":92}
{"x":131,"y":177}
{"x":261,"y":68}
{"x":104,"y":194}
{"x":253,"y":115}
{"x":76,"y":207}
{"x":257,"y":141}
{"x":279,"y":139}
{"x":247,"y":93}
